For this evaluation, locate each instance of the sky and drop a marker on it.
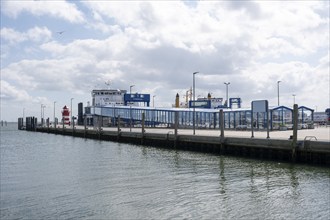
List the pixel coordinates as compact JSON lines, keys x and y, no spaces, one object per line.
{"x":59,"y":51}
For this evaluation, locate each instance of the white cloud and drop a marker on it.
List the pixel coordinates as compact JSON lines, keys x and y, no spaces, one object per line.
{"x":309,"y":84}
{"x":291,"y":28}
{"x":57,"y":9}
{"x":36,"y":34}
{"x":271,"y":28}
{"x":10,"y":92}
{"x":12,"y":36}
{"x":157,"y":45}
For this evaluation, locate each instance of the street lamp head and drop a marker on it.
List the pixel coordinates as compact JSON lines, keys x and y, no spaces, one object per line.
{"x":226,"y":83}
{"x":195,"y":73}
{"x":278,"y":81}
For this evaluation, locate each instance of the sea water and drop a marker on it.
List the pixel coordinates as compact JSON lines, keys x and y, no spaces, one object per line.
{"x":47,"y":176}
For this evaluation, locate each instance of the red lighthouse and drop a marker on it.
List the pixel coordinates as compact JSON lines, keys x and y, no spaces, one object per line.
{"x":66,"y":115}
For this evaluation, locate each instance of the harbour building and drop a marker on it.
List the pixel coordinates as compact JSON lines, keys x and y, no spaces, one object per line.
{"x":110,"y":107}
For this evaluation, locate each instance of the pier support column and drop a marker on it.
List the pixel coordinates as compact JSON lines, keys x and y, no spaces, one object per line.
{"x":295,"y":131}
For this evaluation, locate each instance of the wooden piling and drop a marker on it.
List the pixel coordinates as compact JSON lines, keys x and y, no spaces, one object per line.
{"x":295,"y":132}
{"x":176,"y":125}
{"x":143,"y":131}
{"x":118,"y":128}
{"x":62,"y":125}
{"x":99,"y":126}
{"x":85,"y":126}
{"x":222,"y":129}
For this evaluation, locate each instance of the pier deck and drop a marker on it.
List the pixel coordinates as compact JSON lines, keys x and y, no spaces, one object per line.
{"x":320,"y":133}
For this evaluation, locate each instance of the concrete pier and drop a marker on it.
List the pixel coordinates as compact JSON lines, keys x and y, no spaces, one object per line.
{"x":310,"y":146}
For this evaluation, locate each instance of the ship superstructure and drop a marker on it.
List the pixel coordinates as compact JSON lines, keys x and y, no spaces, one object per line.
{"x":102,"y":97}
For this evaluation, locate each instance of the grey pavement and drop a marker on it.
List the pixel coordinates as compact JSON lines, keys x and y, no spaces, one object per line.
{"x":321,"y":133}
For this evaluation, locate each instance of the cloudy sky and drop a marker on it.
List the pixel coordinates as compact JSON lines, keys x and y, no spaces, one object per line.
{"x":58,"y":50}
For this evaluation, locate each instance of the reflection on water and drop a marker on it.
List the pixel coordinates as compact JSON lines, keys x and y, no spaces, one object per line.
{"x":51,"y":176}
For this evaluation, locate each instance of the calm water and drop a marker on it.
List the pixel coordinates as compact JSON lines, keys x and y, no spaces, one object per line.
{"x":46,"y":176}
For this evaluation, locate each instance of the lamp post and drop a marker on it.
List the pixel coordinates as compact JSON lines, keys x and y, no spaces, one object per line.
{"x":71,"y":112}
{"x":23,"y":115}
{"x":153,"y":101}
{"x":41,"y":114}
{"x":227,"y":83}
{"x":278,"y":93}
{"x":194,"y":101}
{"x":130,"y":92}
{"x":294,"y":98}
{"x":54,"y":116}
{"x":130,"y":89}
{"x":130,"y":107}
